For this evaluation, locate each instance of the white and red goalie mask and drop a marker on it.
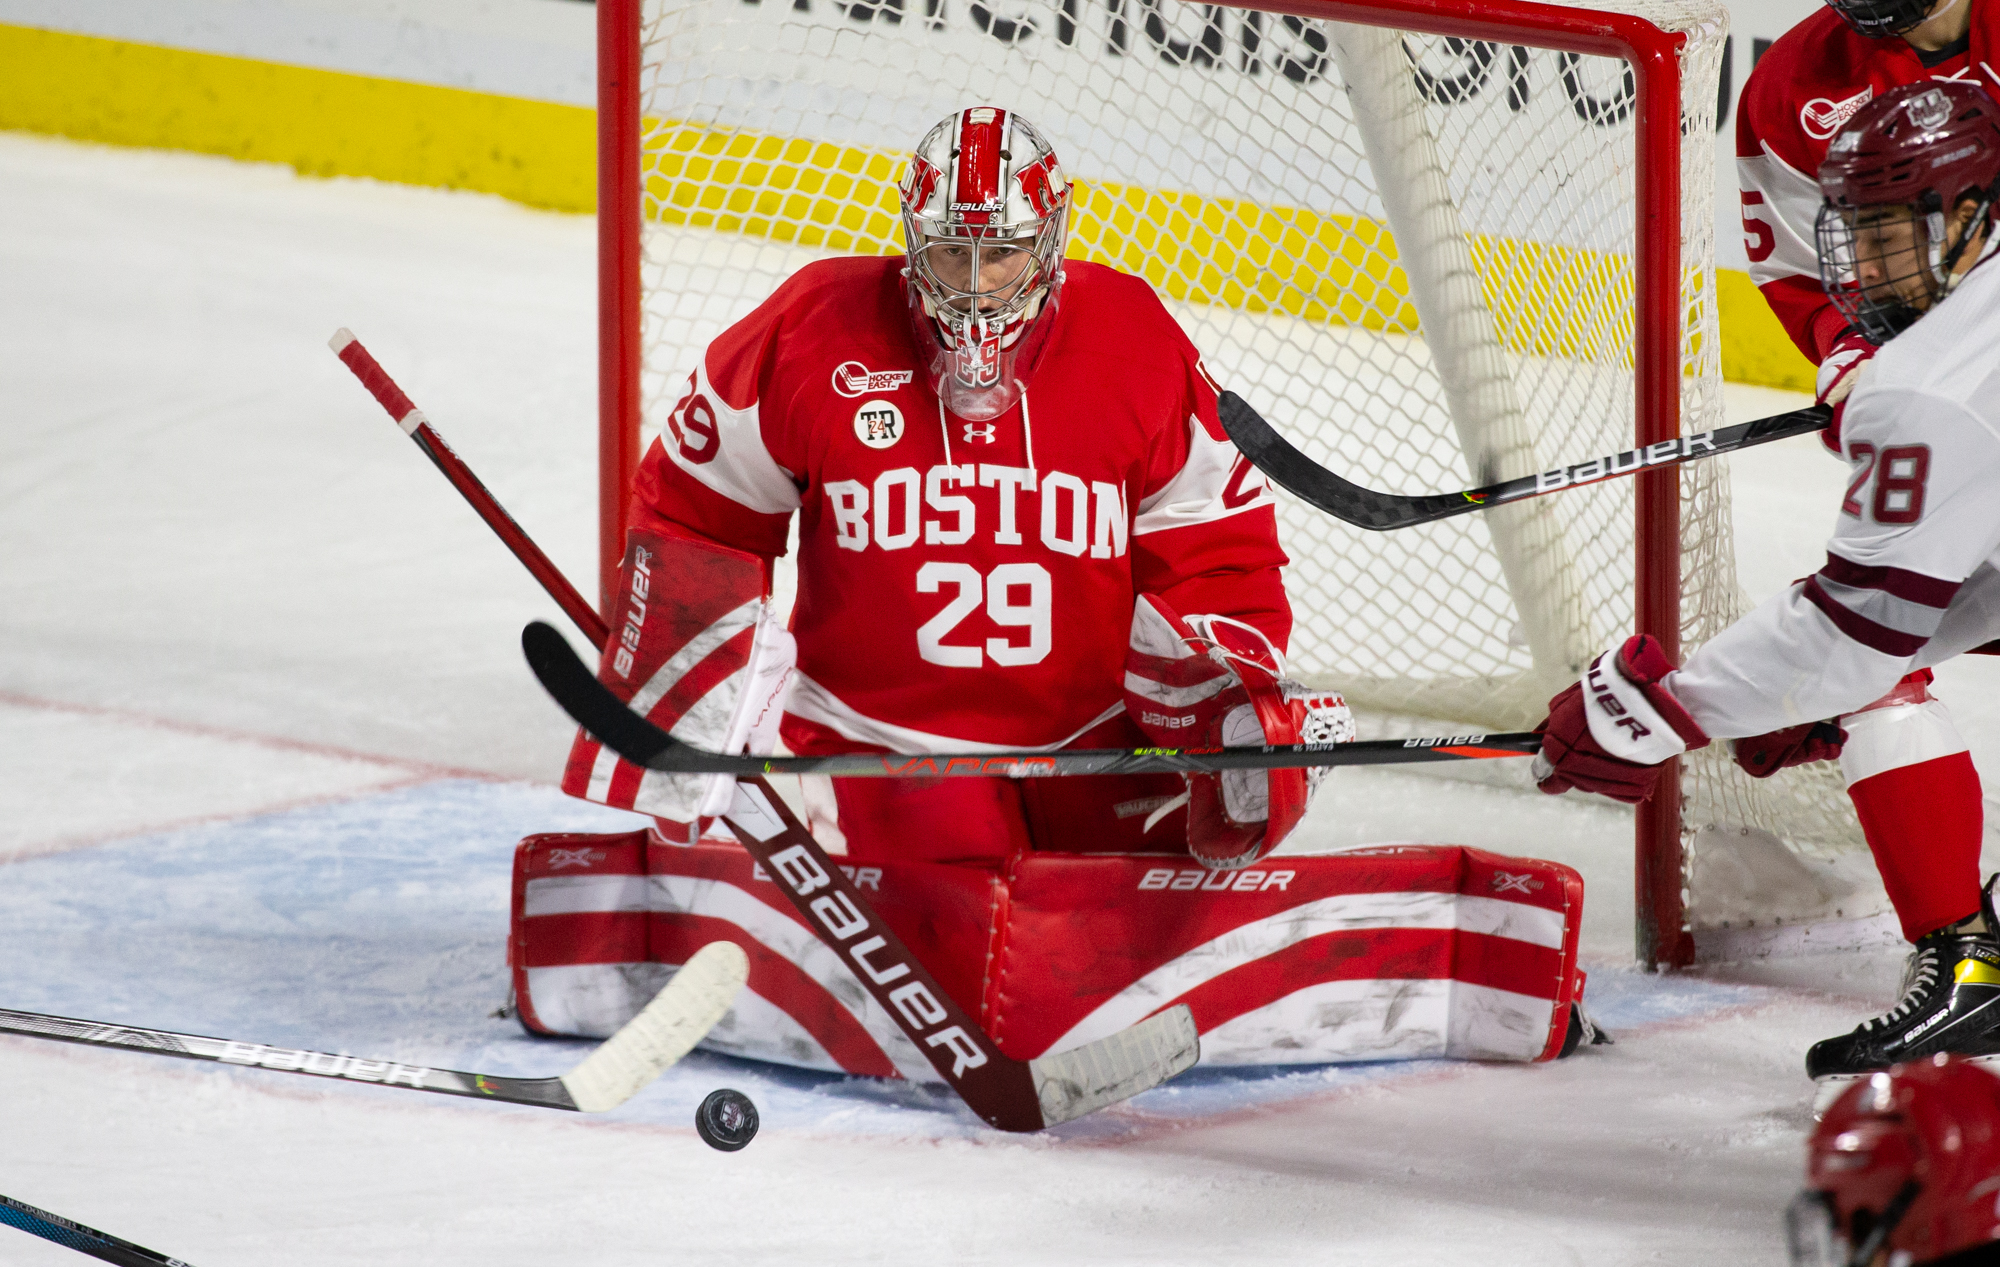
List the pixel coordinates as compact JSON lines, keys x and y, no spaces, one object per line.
{"x":985,"y":212}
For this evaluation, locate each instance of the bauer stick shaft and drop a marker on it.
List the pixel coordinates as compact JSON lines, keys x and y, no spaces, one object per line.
{"x":1366,"y":508}
{"x":84,"y":1240}
{"x":1014,"y":1095}
{"x":411,"y":419}
{"x":595,"y":708}
{"x":664,"y":1031}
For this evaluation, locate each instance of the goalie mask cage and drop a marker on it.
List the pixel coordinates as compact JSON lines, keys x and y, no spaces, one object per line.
{"x":1436,"y":243}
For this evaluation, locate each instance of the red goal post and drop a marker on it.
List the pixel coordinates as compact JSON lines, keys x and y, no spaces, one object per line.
{"x":1658,"y":309}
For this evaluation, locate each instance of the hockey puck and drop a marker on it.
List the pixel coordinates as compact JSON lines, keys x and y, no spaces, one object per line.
{"x":726,"y":1120}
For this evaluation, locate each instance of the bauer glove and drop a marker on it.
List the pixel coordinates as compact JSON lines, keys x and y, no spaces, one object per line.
{"x":1839,"y":375}
{"x":1610,"y":732}
{"x":1762,"y":756}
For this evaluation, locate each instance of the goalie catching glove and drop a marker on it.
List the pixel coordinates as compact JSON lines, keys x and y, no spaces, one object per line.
{"x":698,"y":650}
{"x":1610,"y":732}
{"x":1210,"y":681}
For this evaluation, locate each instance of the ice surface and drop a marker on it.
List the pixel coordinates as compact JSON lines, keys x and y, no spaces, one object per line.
{"x":266,"y":741}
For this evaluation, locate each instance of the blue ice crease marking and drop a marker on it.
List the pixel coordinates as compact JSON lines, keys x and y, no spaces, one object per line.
{"x":377,"y":927}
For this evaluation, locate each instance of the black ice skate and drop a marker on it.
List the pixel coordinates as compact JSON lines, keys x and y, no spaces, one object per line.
{"x":1951,"y":1002}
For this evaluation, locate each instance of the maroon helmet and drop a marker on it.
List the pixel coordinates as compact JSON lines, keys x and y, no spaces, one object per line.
{"x":1926,"y":147}
{"x":1905,"y":1163}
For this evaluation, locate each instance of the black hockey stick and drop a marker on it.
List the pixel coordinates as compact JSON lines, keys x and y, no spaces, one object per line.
{"x":595,"y":708}
{"x":677,"y":1018}
{"x":1321,"y":489}
{"x":84,"y":1240}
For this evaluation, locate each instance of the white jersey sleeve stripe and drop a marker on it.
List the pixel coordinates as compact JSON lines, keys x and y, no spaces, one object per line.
{"x":724,"y":449}
{"x":1789,"y":207}
{"x":1208,"y":487}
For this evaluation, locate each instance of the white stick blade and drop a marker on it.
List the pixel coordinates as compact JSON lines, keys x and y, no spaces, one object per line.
{"x":1117,"y":1067}
{"x":669,"y":1027}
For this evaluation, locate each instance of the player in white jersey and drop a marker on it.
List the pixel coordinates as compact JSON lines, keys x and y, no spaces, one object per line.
{"x":1912,"y":575}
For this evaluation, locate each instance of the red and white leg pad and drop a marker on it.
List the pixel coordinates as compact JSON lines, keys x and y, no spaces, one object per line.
{"x":700,"y":652}
{"x":1398,"y":952}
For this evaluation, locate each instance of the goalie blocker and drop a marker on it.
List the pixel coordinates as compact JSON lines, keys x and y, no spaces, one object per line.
{"x":1395,"y":952}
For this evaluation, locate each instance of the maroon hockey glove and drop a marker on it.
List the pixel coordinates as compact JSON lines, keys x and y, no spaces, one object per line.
{"x":1838,"y":374}
{"x":1762,"y":756}
{"x":1610,"y":732}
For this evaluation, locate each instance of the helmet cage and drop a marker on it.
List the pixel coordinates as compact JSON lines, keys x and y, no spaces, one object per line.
{"x":1884,"y":308}
{"x":1881,"y":19}
{"x":986,"y":335}
{"x":1814,"y":1237}
{"x":1812,"y":1232}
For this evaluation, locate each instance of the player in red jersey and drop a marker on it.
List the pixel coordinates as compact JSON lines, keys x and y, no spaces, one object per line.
{"x":1907,"y":770}
{"x":1006,"y":467}
{"x":1020,"y":526}
{"x":1908,"y":232}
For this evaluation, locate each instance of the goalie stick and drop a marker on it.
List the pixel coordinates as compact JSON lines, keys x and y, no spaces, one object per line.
{"x":667,"y":1029}
{"x":411,"y":419}
{"x":593,"y":706}
{"x":84,"y":1240}
{"x":1013,"y":1095}
{"x":1366,"y":508}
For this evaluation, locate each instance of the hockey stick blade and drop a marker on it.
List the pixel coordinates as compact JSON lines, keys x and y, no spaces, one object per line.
{"x":1321,"y":489}
{"x":592,"y":706}
{"x":1014,"y":1095}
{"x":687,"y":1008}
{"x":84,"y":1240}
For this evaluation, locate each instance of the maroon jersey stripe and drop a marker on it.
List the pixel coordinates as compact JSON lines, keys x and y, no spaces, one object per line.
{"x":1863,"y":630}
{"x":1910,"y":586}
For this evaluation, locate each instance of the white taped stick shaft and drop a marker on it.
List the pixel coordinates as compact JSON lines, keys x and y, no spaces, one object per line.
{"x":669,"y":1027}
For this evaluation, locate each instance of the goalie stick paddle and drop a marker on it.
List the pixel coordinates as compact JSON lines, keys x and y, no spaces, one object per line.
{"x":1321,"y":489}
{"x":664,"y":1031}
{"x":595,"y":708}
{"x":84,"y":1240}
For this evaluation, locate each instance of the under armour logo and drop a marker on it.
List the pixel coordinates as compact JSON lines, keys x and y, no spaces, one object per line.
{"x":984,"y":433}
{"x":560,"y":858}
{"x":1524,"y":884}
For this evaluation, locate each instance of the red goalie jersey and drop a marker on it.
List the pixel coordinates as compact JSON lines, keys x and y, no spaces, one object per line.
{"x":1810,"y":83}
{"x":964,"y":584}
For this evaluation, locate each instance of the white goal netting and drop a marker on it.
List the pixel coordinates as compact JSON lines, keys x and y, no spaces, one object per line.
{"x":1412,"y":253}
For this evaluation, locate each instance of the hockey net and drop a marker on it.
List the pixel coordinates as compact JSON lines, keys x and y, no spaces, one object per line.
{"x":1415,"y":251}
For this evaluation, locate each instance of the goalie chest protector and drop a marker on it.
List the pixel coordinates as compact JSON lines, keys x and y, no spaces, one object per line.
{"x":1394,"y":952}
